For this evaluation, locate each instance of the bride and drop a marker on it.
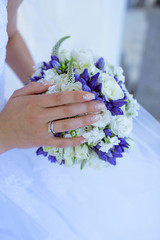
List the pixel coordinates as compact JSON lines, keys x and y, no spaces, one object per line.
{"x":43,"y":201}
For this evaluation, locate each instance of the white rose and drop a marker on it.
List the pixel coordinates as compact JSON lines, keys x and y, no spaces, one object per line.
{"x":49,"y":75}
{"x":105,"y":146}
{"x":83,"y":59}
{"x":105,"y":118}
{"x":121,"y":125}
{"x":110,"y":88}
{"x":94,"y":136}
{"x":81,"y":152}
{"x":72,"y":87}
{"x":69,"y":156}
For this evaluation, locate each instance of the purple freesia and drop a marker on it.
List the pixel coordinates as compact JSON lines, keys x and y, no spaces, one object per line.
{"x":86,"y":88}
{"x":63,"y":162}
{"x":55,"y":58}
{"x":98,"y":87}
{"x":55,"y":64}
{"x":114,"y":106}
{"x":100,"y":63}
{"x":41,"y":152}
{"x":52,"y":159}
{"x":107,"y":132}
{"x":76,"y":76}
{"x":93,"y":82}
{"x":85,"y":75}
{"x":103,"y":156}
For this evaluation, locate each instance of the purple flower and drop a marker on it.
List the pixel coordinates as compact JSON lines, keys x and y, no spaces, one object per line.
{"x":35,"y":79}
{"x":82,"y":81}
{"x":114,"y":106}
{"x":108,"y":132}
{"x":52,"y":159}
{"x":41,"y":152}
{"x":55,"y":64}
{"x":123,"y":144}
{"x":57,"y":134}
{"x":76,"y":76}
{"x":86,"y":88}
{"x":100,"y":63}
{"x":85,"y":75}
{"x":98,"y":87}
{"x":55,"y":58}
{"x":96,"y":94}
{"x":59,"y":71}
{"x":112,"y":160}
{"x":93,"y":82}
{"x":63,"y":162}
{"x":102,"y":155}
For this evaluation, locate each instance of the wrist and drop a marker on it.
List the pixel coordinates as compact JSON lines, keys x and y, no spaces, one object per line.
{"x":3,"y":141}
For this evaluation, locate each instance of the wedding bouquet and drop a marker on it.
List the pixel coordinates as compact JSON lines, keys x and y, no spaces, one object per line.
{"x":108,"y":138}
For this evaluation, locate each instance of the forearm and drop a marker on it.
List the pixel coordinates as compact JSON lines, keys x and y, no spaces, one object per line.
{"x":19,"y":57}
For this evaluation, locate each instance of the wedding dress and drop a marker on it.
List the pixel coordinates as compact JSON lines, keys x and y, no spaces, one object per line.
{"x":40,"y":200}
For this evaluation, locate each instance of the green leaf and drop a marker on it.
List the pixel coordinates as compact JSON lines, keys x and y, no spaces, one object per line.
{"x":56,"y":47}
{"x":83,"y":163}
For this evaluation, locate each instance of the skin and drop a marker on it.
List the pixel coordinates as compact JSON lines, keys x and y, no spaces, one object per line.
{"x":24,"y":120}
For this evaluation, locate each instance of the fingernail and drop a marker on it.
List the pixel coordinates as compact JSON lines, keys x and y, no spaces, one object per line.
{"x":83,"y":141}
{"x":99,"y":105}
{"x":95,"y":118}
{"x":88,"y":96}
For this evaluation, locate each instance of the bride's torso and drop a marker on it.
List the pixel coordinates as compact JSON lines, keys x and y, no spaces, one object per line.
{"x":3,"y":43}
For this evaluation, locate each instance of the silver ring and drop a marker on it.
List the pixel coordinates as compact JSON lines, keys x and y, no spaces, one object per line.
{"x":51,"y":127}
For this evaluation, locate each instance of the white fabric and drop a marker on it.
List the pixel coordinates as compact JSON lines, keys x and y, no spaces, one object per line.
{"x":40,"y":200}
{"x":119,"y":202}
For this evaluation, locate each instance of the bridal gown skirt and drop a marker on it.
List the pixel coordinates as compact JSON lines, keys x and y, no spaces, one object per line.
{"x":40,"y":200}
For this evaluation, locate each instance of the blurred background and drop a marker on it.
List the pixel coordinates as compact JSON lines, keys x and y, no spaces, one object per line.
{"x":126,"y":32}
{"x":141,"y":53}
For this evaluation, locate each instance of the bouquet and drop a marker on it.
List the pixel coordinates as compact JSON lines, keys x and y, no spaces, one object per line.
{"x":108,"y":138}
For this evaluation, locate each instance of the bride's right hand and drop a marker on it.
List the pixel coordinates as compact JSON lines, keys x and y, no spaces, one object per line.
{"x":24,"y":120}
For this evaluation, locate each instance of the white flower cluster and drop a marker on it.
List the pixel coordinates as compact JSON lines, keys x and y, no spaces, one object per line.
{"x":108,"y":138}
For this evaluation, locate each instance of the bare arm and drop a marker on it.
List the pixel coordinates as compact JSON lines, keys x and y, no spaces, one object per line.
{"x":18,"y":55}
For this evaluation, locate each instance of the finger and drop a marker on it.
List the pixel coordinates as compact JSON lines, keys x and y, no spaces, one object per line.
{"x":61,"y":98}
{"x":71,"y":110}
{"x":64,"y":142}
{"x":74,"y":123}
{"x":32,"y":88}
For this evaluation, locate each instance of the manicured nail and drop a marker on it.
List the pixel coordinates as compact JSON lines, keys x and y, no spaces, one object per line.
{"x":99,"y":105}
{"x":95,"y":118}
{"x":83,"y":141}
{"x":88,"y":96}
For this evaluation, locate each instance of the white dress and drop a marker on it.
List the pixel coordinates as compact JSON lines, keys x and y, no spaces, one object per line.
{"x":40,"y":200}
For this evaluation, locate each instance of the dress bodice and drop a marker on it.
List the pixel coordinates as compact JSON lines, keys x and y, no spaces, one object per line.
{"x":3,"y":43}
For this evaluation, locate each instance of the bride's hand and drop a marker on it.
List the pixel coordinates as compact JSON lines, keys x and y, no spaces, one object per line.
{"x":24,"y":120}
